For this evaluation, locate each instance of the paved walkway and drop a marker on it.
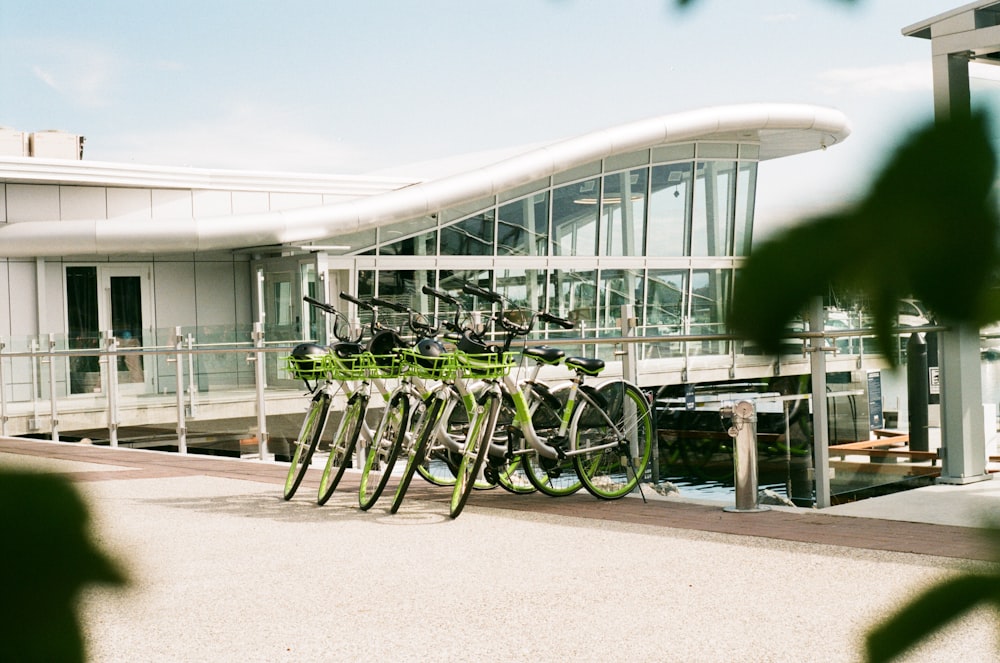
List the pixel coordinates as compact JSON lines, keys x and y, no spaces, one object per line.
{"x":223,"y":569}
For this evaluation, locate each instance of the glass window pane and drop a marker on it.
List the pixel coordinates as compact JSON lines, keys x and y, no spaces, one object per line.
{"x":576,"y":296}
{"x":746,"y":193}
{"x":710,"y":294}
{"x":669,"y":210}
{"x":403,"y":286}
{"x":525,"y":290}
{"x":523,"y":227}
{"x":474,"y":308}
{"x":618,"y":287}
{"x":624,"y":211}
{"x":471,"y":237}
{"x":666,"y":303}
{"x":574,"y":219}
{"x":711,"y":226}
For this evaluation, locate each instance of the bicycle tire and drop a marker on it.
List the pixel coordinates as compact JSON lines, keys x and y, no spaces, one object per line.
{"x":555,"y":477}
{"x":476,"y":448}
{"x":311,"y":431}
{"x":439,"y":465}
{"x":426,"y":422}
{"x":342,"y":446}
{"x":611,"y":472}
{"x":384,"y":450}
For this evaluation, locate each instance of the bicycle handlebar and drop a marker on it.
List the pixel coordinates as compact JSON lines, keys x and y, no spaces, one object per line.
{"x":488,"y":295}
{"x":556,"y":320}
{"x":321,"y":305}
{"x":398,"y":308}
{"x":355,"y":300}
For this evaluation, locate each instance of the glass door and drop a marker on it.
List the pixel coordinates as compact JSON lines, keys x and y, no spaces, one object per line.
{"x":101,"y":298}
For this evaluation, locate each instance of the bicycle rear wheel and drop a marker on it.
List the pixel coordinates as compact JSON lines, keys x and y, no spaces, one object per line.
{"x":555,"y":477}
{"x":305,"y":444}
{"x":425,"y":422}
{"x":439,"y":465}
{"x":613,"y":444}
{"x":384,"y":450}
{"x":342,"y":446}
{"x":481,"y":430}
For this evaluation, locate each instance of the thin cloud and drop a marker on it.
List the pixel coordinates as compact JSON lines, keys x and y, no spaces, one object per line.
{"x":247,"y":138}
{"x":907,"y":77}
{"x":787,"y":17}
{"x":78,"y":71}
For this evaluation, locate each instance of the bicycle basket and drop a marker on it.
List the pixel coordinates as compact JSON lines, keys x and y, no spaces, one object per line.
{"x":307,"y":362}
{"x":486,"y":365}
{"x":346,"y":362}
{"x":383,"y":366}
{"x":440,"y":367}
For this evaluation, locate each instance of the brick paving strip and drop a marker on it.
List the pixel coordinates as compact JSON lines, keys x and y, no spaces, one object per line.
{"x":806,"y":526}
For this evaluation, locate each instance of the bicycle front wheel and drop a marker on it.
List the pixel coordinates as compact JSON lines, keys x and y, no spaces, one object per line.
{"x":484,"y":421}
{"x":506,"y":469}
{"x":613,"y":444}
{"x":384,"y":450}
{"x":305,"y":444}
{"x":344,"y":441}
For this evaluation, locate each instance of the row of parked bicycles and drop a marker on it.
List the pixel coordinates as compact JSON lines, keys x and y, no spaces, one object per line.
{"x":464,"y":406}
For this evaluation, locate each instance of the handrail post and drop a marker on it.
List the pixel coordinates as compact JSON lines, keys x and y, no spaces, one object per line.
{"x":192,"y":381}
{"x":3,"y":394}
{"x":179,"y":363}
{"x":34,"y":349}
{"x":630,"y":364}
{"x":260,"y":382}
{"x":111,"y":363}
{"x":53,"y":401}
{"x":744,"y":431}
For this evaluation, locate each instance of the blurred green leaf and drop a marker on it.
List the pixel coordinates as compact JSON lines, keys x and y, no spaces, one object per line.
{"x":926,"y":228}
{"x":47,"y":559}
{"x":929,"y":612}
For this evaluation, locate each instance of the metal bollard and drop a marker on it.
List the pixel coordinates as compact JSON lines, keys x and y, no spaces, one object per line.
{"x":744,"y":431}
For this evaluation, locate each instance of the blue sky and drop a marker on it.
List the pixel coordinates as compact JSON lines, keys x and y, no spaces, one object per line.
{"x":353,"y":87}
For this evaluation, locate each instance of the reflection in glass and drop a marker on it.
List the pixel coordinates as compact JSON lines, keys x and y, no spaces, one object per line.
{"x":666,"y":303}
{"x":710,"y":296}
{"x":712,"y":213}
{"x":623,"y":211}
{"x":618,"y":288}
{"x":523,"y":227}
{"x":669,"y":204}
{"x":471,"y":237}
{"x":574,"y":219}
{"x":746,"y":193}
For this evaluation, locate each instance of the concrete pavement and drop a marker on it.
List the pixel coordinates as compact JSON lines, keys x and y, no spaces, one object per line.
{"x":224,"y":570}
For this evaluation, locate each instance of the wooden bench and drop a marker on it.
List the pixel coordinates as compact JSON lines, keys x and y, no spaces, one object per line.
{"x":889,"y":446}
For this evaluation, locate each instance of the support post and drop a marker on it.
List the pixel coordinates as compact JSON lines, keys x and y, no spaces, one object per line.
{"x":179,"y":363}
{"x":744,"y":431}
{"x":630,"y":363}
{"x":53,"y":401}
{"x":917,"y":392}
{"x":821,"y":436}
{"x":260,"y":383}
{"x":112,"y":366}
{"x":963,"y":438}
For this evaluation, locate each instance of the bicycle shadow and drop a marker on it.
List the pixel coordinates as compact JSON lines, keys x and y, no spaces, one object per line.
{"x":340,"y":507}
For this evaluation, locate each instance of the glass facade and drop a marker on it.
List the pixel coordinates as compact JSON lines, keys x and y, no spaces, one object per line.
{"x":660,"y":230}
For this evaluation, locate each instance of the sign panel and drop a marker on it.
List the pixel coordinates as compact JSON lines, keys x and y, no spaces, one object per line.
{"x":875,"y":419}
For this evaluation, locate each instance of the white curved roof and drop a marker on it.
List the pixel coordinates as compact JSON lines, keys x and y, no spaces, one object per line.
{"x":781,"y":129}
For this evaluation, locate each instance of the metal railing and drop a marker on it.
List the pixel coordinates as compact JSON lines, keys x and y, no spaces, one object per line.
{"x":49,"y":394}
